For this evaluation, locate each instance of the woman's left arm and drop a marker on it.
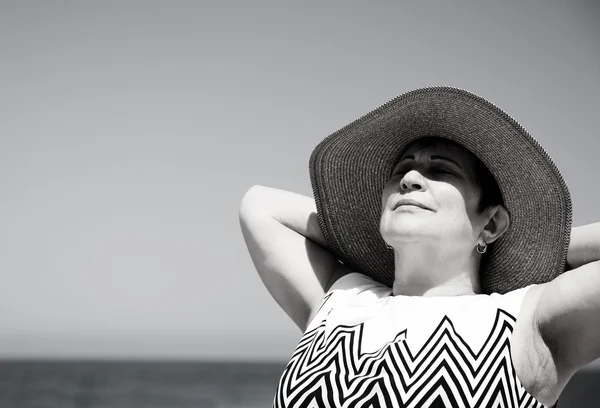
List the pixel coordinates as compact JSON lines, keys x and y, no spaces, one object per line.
{"x":584,"y":246}
{"x":567,"y":315}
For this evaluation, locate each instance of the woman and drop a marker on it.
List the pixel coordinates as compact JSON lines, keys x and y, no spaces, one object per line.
{"x":427,"y":272}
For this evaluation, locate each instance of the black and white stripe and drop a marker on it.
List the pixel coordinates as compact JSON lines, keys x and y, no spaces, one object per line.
{"x":444,"y":372}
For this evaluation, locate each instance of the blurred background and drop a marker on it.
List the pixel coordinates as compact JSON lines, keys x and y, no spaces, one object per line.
{"x":130,"y":130}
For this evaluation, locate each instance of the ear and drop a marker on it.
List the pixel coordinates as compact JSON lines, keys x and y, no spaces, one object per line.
{"x":499,"y":221}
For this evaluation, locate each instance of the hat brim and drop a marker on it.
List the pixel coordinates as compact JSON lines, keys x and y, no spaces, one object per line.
{"x":349,"y":169}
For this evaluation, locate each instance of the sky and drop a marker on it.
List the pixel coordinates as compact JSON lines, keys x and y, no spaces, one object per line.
{"x":130,"y":131}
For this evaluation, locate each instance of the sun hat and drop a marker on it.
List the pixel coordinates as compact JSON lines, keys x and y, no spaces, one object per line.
{"x":350,"y":167}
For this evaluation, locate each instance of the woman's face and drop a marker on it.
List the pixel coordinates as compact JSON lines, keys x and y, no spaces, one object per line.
{"x":438,"y":177}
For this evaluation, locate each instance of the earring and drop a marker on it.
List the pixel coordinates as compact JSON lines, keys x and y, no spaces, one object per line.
{"x":482,"y":248}
{"x":389,"y":246}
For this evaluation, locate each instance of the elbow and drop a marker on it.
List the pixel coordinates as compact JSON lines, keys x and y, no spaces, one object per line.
{"x":252,"y":202}
{"x":254,"y":191}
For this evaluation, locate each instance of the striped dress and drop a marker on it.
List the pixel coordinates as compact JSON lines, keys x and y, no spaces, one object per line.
{"x":366,"y":348}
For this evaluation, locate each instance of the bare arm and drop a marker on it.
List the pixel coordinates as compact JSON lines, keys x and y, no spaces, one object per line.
{"x":568,"y":318}
{"x":584,"y":246}
{"x":561,"y":328}
{"x":286,"y":245}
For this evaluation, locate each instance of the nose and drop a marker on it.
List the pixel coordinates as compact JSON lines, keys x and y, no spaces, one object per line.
{"x":413,"y":180}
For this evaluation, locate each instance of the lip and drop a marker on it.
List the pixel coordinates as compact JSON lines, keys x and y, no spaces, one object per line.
{"x":406,"y":201}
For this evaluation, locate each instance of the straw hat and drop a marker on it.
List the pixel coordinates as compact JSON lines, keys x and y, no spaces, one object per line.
{"x":349,"y":169}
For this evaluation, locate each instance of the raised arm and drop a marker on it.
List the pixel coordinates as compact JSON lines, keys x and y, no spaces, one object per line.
{"x":568,"y":318}
{"x":567,"y":315}
{"x":584,"y":246}
{"x":288,"y":249}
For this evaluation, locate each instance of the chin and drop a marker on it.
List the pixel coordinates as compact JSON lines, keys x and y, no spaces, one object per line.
{"x":392,"y":226}
{"x":404,"y":233}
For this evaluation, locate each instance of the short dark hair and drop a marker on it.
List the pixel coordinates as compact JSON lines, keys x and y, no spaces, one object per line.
{"x":490,"y":191}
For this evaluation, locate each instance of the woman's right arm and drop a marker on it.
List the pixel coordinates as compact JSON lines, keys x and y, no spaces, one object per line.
{"x":288,"y":250}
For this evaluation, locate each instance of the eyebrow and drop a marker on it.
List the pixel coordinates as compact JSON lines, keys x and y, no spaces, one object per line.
{"x":434,"y":157}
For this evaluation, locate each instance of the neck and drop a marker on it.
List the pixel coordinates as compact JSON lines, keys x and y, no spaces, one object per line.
{"x":425,"y":270}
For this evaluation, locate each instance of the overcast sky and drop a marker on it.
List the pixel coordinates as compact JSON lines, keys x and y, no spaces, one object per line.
{"x":129,"y":132}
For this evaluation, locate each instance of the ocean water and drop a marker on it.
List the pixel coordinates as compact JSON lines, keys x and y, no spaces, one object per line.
{"x":29,"y":384}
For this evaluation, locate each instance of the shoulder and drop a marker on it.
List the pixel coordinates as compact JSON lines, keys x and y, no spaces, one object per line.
{"x":356,"y":285}
{"x":350,"y":288}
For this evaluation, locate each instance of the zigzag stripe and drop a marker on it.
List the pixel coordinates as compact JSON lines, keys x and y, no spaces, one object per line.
{"x":333,"y":371}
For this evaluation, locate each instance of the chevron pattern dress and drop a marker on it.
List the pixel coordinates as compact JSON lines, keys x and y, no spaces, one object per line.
{"x":366,"y":348}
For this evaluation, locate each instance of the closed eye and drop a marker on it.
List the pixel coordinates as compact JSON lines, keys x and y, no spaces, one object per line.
{"x":437,"y":170}
{"x":397,"y":171}
{"x":444,"y":172}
